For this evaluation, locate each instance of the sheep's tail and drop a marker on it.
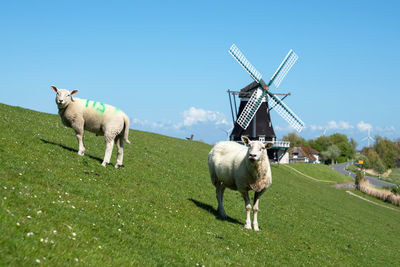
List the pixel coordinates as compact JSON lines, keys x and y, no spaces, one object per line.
{"x":126,"y":129}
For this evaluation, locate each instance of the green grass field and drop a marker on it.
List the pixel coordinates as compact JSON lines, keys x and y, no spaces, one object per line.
{"x":394,"y":176}
{"x":61,"y":209}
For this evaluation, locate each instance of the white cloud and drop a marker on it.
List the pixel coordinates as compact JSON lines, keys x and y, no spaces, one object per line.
{"x":316,"y":128}
{"x":163,"y":125}
{"x":333,"y":125}
{"x":386,"y":129}
{"x":341,"y":125}
{"x":195,"y":115}
{"x":363,"y":126}
{"x":191,"y":117}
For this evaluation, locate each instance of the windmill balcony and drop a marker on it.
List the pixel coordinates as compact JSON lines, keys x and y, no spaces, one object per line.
{"x":280,"y":144}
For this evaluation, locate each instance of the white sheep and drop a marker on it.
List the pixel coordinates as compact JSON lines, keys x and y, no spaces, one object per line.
{"x":96,"y":117}
{"x":240,"y":168}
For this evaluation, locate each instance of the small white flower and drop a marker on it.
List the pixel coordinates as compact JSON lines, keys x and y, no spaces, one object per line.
{"x":73,"y":206}
{"x":41,"y":240}
{"x":76,"y":259}
{"x":20,"y":174}
{"x":119,"y":230}
{"x":29,"y":234}
{"x":5,"y":187}
{"x":37,"y":260}
{"x":5,"y":198}
{"x":29,"y":217}
{"x":39,"y":212}
{"x":18,"y":224}
{"x":99,"y":247}
{"x":73,"y":234}
{"x":54,"y":231}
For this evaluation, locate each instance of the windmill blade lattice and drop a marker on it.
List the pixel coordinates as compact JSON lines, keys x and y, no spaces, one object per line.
{"x":251,"y":108}
{"x":235,"y":52}
{"x":284,"y":68}
{"x":285,"y":112}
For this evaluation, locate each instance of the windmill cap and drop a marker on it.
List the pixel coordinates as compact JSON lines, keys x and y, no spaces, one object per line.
{"x":247,"y":91}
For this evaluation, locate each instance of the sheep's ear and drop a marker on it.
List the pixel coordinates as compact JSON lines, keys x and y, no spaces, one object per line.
{"x":268,"y":144}
{"x":245,"y":140}
{"x":74,"y":92}
{"x":54,"y":88}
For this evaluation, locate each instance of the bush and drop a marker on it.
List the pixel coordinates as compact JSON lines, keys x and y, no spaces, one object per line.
{"x":341,"y":159}
{"x":358,"y":178}
{"x":379,"y":167}
{"x":395,"y":190}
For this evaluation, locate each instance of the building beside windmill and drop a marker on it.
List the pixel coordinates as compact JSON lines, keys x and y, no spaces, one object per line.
{"x":304,"y":154}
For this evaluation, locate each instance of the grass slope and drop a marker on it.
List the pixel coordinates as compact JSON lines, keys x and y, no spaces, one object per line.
{"x":57,"y":208}
{"x":394,"y":176}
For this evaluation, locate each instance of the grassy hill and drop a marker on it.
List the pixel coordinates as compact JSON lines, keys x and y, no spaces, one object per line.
{"x":57,"y":208}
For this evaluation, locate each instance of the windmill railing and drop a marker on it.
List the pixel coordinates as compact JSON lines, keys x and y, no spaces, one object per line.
{"x":280,"y":144}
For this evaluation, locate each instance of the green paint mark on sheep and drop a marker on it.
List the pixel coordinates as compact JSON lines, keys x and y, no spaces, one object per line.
{"x":117,"y":110}
{"x":101,"y":108}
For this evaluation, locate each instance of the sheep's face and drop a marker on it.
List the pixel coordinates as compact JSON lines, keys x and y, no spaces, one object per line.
{"x":256,"y":149}
{"x":63,"y":97}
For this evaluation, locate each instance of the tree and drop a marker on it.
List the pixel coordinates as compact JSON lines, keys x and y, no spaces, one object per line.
{"x":388,"y":152}
{"x":320,"y":144}
{"x":338,"y":138}
{"x":332,"y":153}
{"x":295,"y":140}
{"x":353,"y":145}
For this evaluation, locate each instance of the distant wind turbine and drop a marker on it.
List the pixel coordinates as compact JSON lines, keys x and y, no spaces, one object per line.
{"x":368,"y":138}
{"x":227,"y":132}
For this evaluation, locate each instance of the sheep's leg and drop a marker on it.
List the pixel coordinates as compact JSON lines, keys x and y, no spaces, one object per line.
{"x":247,"y":205}
{"x":120,"y":150}
{"x":257,"y":196}
{"x":220,"y":189}
{"x":109,"y":148}
{"x":79,"y":135}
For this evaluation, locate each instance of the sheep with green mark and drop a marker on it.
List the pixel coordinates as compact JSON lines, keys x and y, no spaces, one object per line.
{"x":96,"y":117}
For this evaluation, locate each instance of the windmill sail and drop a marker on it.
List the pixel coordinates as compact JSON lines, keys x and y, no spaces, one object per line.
{"x":251,"y":108}
{"x":283,"y":69}
{"x":235,"y":52}
{"x":285,"y":112}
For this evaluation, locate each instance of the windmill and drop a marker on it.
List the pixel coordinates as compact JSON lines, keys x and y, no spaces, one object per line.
{"x":261,"y":94}
{"x":257,"y":101}
{"x":368,"y":138}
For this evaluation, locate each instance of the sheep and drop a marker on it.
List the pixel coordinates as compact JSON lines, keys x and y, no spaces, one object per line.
{"x":96,"y":117}
{"x":240,"y":168}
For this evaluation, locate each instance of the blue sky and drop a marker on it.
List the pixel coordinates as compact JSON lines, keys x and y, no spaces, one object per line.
{"x":166,"y":63}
